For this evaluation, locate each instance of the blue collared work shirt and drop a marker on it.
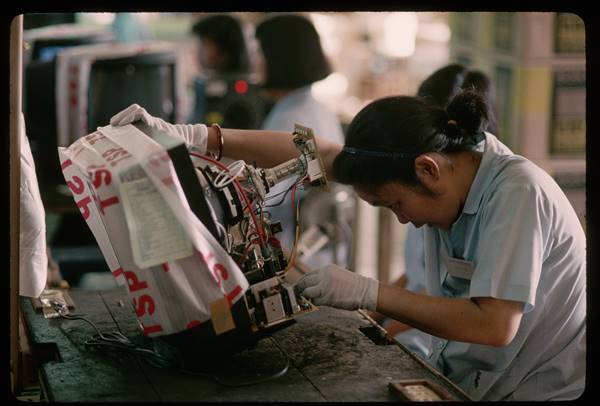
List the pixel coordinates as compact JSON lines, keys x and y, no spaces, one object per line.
{"x":526,"y":244}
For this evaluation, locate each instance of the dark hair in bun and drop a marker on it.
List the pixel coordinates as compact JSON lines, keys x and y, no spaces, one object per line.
{"x":386,"y":136}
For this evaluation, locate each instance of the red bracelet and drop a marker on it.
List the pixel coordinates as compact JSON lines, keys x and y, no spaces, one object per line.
{"x":217,"y":127}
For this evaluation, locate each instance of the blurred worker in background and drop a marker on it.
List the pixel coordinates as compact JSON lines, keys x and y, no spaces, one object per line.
{"x":224,"y":93}
{"x":438,"y":89}
{"x":293,"y":60}
{"x":222,"y":46}
{"x":128,"y":28}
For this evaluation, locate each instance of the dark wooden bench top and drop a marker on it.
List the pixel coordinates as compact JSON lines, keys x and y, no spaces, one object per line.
{"x":330,"y":360}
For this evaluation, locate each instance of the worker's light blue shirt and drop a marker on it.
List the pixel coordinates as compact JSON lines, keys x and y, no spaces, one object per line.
{"x":301,"y":107}
{"x":526,"y":244}
{"x":413,"y":339}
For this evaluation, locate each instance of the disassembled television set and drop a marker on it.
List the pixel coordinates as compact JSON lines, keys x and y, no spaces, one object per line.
{"x":249,"y":236}
{"x":232,"y":202}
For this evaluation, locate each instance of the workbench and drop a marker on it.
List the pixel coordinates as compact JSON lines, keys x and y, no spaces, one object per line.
{"x":331,"y":359}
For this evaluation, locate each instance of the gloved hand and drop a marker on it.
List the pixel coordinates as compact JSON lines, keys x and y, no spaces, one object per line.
{"x":194,"y":135}
{"x":335,"y":286}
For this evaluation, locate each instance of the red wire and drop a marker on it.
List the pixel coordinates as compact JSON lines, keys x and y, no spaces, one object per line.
{"x":241,"y":191}
{"x":293,"y":254}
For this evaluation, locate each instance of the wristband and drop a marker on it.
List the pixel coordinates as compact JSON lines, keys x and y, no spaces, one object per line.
{"x":217,"y":128}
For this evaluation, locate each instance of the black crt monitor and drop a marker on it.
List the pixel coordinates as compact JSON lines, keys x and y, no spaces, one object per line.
{"x":147,"y":79}
{"x":37,"y":20}
{"x":39,"y":98}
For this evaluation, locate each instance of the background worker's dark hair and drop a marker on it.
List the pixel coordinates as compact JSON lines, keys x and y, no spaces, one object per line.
{"x":292,"y":50}
{"x":408,"y":127}
{"x":442,"y":85}
{"x":226,"y":32}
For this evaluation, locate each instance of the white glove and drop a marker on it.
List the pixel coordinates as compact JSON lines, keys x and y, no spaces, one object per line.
{"x":195,"y":136}
{"x":335,"y":286}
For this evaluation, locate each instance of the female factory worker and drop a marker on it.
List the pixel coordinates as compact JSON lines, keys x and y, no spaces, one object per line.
{"x":437,"y":89}
{"x":505,"y":252}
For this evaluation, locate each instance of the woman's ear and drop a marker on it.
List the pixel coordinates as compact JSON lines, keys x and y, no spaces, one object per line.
{"x":427,"y":170}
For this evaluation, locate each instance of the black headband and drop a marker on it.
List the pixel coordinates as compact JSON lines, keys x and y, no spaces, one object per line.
{"x":477,"y":138}
{"x":378,"y":154}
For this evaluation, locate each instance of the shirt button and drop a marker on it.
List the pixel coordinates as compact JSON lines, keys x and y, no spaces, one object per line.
{"x":440,"y":345}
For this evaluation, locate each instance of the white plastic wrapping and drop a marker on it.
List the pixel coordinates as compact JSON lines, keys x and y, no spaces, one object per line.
{"x":173,"y":295}
{"x":33,"y":261}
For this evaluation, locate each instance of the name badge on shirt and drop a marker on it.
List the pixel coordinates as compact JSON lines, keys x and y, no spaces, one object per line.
{"x":459,"y":268}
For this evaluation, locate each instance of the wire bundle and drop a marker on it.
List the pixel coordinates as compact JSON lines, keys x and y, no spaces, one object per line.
{"x":229,"y":175}
{"x":117,"y":341}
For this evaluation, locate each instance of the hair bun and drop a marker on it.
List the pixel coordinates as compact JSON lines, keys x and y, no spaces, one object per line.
{"x":469,"y":111}
{"x":452,"y":129}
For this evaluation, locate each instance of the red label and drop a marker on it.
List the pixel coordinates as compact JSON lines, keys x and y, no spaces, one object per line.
{"x":133,"y":282}
{"x":77,"y":186}
{"x":113,"y":163}
{"x":152,"y":329}
{"x":192,"y":324}
{"x":114,"y":155}
{"x":99,"y":176}
{"x":83,"y":205}
{"x":231,"y":295}
{"x":93,"y":137}
{"x":145,"y":304}
{"x":220,"y":268}
{"x":66,"y":164}
{"x":108,"y":202}
{"x":117,"y":272}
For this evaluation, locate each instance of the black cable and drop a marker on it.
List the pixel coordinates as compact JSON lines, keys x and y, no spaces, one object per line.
{"x":117,"y":340}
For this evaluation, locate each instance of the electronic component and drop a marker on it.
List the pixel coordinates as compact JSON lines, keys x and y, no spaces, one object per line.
{"x":308,"y":165}
{"x":305,"y":141}
{"x":236,"y":195}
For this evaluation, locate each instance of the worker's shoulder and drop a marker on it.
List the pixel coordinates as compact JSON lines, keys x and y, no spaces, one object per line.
{"x":517,"y":171}
{"x":521,"y":180}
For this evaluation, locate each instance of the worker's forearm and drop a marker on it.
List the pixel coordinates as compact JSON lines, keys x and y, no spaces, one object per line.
{"x":267,"y":148}
{"x":450,"y":318}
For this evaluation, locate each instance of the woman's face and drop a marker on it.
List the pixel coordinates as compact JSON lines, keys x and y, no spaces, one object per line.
{"x":409,"y":204}
{"x":209,"y":55}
